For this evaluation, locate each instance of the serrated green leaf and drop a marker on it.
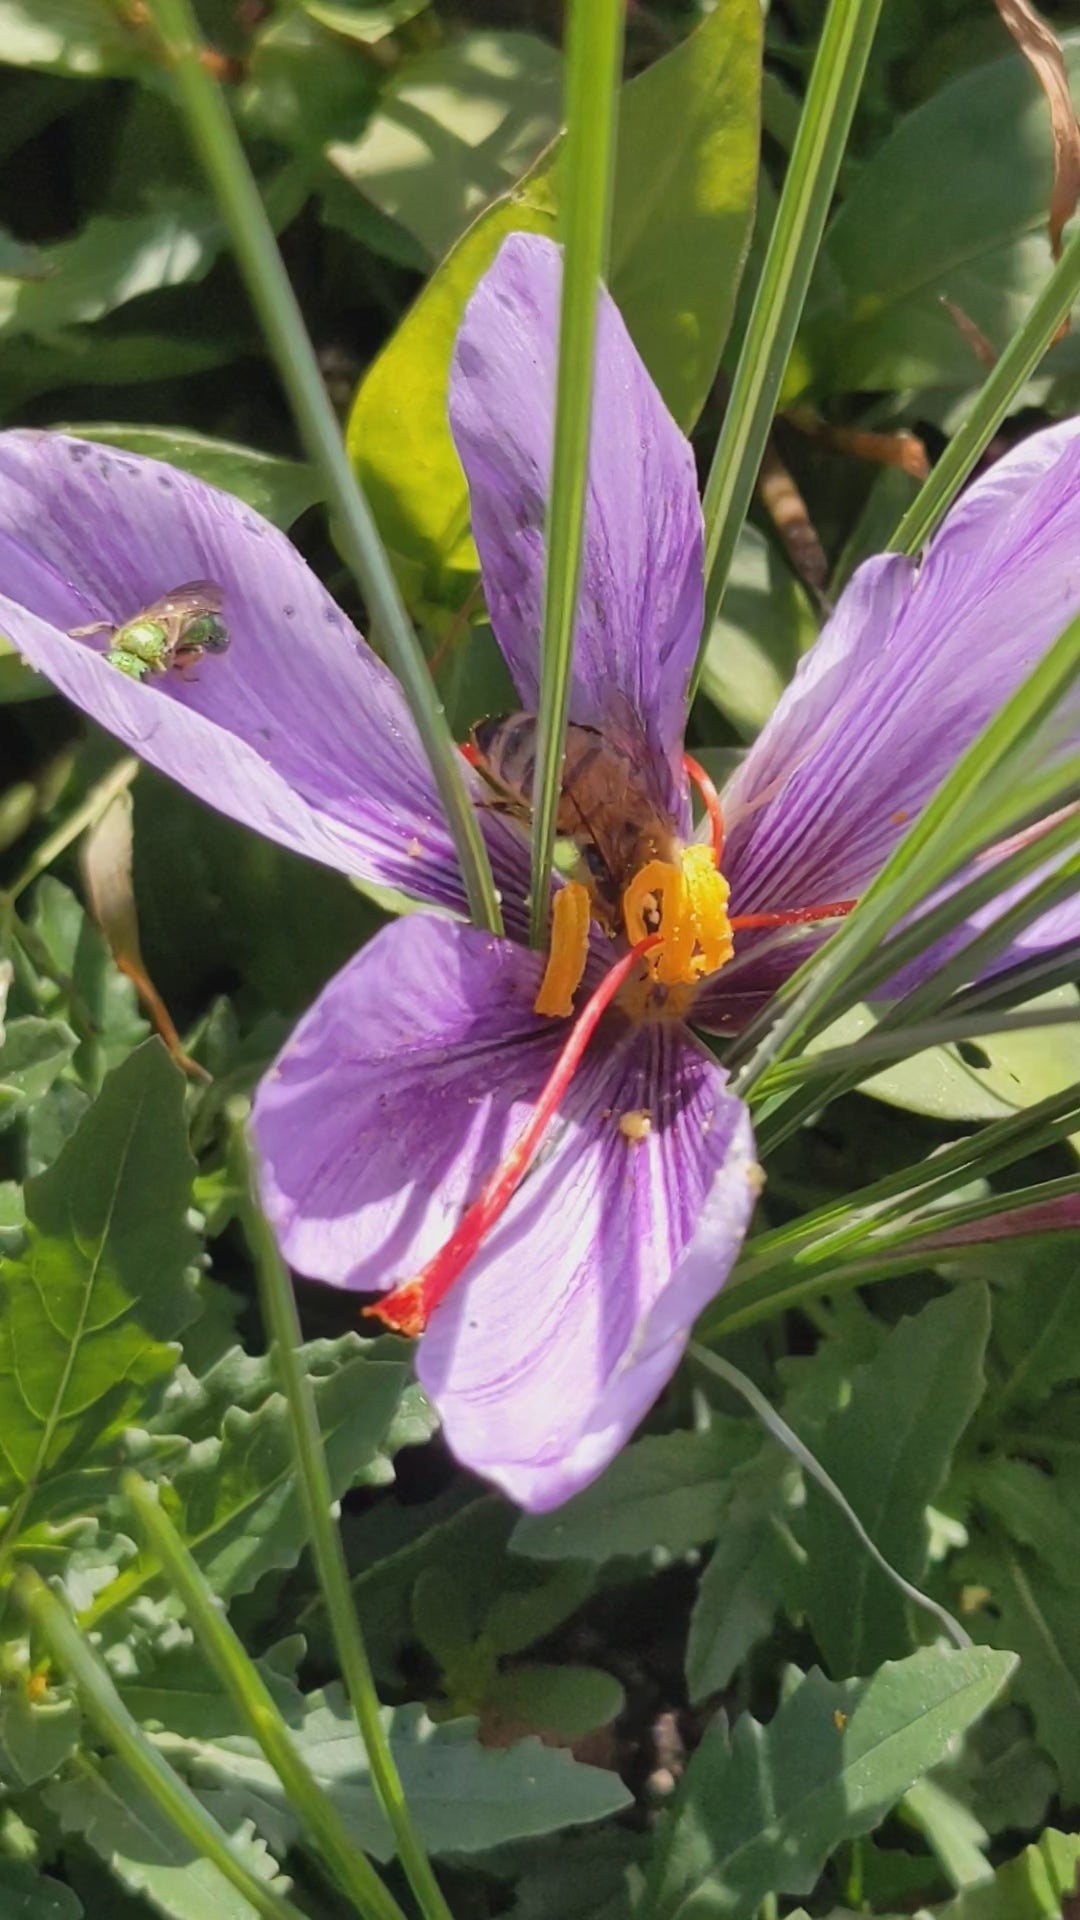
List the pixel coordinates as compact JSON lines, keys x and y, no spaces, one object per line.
{"x":743,"y":1584}
{"x":1033,"y":1614}
{"x":233,"y":1498}
{"x":454,"y":126}
{"x":463,"y":1796}
{"x":35,"y":1737}
{"x":663,"y":1495}
{"x":1031,"y":1887}
{"x":80,"y":952}
{"x":761,"y":1813}
{"x":889,"y":1451}
{"x":91,"y":1308}
{"x":1036,"y":1509}
{"x":281,"y":490}
{"x":1036,"y":1326}
{"x":146,"y":1854}
{"x":952,"y":1832}
{"x":28,"y":1894}
{"x":684,"y":191}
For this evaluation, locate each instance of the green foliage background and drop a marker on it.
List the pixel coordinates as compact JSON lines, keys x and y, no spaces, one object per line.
{"x":690,"y":1692}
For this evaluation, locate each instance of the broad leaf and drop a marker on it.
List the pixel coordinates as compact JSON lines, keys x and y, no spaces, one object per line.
{"x":666,"y":1493}
{"x":684,"y":193}
{"x":1027,"y":1609}
{"x":761,"y":1812}
{"x":1031,"y":1887}
{"x":453,"y":128}
{"x":33,"y":1053}
{"x":91,"y":1308}
{"x":464,"y":1797}
{"x":889,"y":1451}
{"x":742,"y":1585}
{"x":88,"y":39}
{"x":951,"y":208}
{"x":279,"y":489}
{"x":28,"y":1894}
{"x":1036,"y":1326}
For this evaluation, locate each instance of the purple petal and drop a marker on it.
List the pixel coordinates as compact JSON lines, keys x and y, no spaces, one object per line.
{"x":402,"y":1090}
{"x":640,"y":610}
{"x":912,"y":665}
{"x":298,"y":730}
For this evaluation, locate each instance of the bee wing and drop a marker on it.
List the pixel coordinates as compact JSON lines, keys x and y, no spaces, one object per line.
{"x":195,"y":596}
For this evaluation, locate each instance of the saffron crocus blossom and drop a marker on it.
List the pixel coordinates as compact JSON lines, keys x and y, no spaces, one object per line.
{"x":420,"y":1068}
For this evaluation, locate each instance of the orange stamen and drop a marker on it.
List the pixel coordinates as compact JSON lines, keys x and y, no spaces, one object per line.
{"x":832,"y":910}
{"x":711,"y":800}
{"x":408,"y":1308}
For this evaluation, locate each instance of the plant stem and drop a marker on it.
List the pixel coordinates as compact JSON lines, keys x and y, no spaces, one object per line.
{"x":1003,"y":384}
{"x":216,"y":140}
{"x":283,"y":1326}
{"x":246,"y":1686}
{"x":785,"y":276}
{"x":123,"y":1734}
{"x":593,"y":67}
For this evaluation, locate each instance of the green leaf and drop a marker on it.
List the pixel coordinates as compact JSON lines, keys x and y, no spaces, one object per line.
{"x":92,"y":1306}
{"x":952,"y":206}
{"x":762,"y":630}
{"x":742,"y":1585}
{"x":35,"y":1737}
{"x":980,"y":1079}
{"x":1033,"y":1614}
{"x":889,"y":1451}
{"x":27,"y":1894}
{"x":463,"y":1796}
{"x":88,"y":39}
{"x":279,"y":489}
{"x":1031,"y":1887}
{"x":146,"y":1854}
{"x":684,"y":190}
{"x":662,"y":1496}
{"x":1036,"y":1509}
{"x":365,"y":24}
{"x":114,"y":260}
{"x":233,"y":1498}
{"x":1036,"y":1326}
{"x":79,"y":951}
{"x":564,"y":1702}
{"x":761,"y":1813}
{"x":33,"y":1053}
{"x":454,"y":126}
{"x":952,"y":1832}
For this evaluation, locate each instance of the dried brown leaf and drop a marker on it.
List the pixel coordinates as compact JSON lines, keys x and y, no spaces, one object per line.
{"x":1041,"y":48}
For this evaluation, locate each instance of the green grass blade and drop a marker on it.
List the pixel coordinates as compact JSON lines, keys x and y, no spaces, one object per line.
{"x":104,"y":1707}
{"x":313,"y":1480}
{"x":996,"y":396}
{"x":785,"y":276}
{"x":216,"y":141}
{"x":593,"y":65}
{"x":244,"y":1683}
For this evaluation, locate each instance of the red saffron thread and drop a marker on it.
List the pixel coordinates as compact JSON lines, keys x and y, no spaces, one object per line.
{"x":832,"y":910}
{"x":711,"y":800}
{"x":408,"y":1308}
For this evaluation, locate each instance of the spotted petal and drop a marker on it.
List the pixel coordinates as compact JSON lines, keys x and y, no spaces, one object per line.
{"x":298,"y":730}
{"x":401,"y":1091}
{"x":640,"y":609}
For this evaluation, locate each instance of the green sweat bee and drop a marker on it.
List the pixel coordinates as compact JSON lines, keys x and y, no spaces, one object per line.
{"x":174,"y":632}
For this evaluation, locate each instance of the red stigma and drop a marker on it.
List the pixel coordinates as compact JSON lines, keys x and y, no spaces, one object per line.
{"x":794,"y":917}
{"x":711,"y":800}
{"x":409,"y":1307}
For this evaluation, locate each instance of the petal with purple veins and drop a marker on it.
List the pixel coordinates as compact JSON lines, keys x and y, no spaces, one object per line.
{"x":640,"y":609}
{"x":912,"y":665}
{"x":401,"y":1092}
{"x":298,"y":730}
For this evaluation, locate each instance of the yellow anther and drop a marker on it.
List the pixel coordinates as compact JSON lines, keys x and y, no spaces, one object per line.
{"x":687,"y":904}
{"x":707,"y":891}
{"x":570,"y":915}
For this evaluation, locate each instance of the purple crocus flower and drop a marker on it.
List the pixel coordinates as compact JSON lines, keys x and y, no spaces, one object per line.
{"x":403,"y":1088}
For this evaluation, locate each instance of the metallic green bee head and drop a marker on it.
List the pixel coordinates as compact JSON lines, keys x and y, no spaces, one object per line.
{"x":206,"y":632}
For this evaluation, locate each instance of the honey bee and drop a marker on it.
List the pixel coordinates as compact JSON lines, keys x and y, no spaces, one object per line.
{"x":175,"y":632}
{"x":606,"y":806}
